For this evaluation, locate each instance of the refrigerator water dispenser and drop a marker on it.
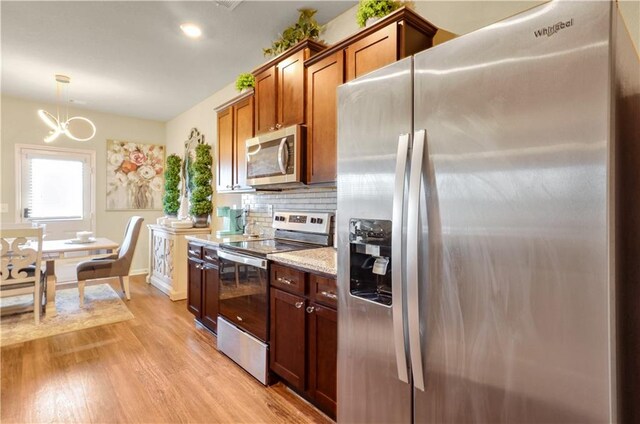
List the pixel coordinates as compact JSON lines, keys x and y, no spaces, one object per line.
{"x":370,"y":259}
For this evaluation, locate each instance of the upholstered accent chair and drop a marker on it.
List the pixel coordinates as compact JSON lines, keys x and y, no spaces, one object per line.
{"x":117,"y":265}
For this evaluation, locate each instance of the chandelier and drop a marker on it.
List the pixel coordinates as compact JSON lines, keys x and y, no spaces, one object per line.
{"x":63,"y":126}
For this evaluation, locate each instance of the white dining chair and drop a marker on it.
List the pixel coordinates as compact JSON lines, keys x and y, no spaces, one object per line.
{"x":21,"y":265}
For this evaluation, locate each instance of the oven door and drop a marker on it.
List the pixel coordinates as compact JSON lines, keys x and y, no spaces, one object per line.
{"x":244,"y":292}
{"x":274,"y":158}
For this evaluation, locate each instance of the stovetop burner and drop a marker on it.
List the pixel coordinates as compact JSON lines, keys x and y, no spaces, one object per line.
{"x":265,"y":247}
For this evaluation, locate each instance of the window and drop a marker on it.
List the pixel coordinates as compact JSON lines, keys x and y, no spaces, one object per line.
{"x":56,"y":188}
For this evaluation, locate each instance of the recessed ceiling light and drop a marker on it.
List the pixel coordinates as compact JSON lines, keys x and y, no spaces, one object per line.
{"x":191,"y":30}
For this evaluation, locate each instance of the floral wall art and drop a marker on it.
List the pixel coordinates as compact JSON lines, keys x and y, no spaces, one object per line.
{"x":134,"y":175}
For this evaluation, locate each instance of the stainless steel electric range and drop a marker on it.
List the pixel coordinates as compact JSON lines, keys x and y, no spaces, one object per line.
{"x":243,"y":321}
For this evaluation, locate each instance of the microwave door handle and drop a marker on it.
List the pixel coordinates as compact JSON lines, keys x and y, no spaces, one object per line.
{"x":283,"y":156}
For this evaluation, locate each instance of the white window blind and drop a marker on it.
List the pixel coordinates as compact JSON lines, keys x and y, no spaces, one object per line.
{"x":55,"y":188}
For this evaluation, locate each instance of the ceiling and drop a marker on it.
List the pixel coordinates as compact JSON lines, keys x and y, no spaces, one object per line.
{"x":130,"y":57}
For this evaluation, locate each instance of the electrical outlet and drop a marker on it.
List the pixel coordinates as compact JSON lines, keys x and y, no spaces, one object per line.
{"x":4,"y":208}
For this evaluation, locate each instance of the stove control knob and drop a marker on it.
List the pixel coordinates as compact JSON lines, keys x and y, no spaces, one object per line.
{"x":313,"y":220}
{"x":319,"y":220}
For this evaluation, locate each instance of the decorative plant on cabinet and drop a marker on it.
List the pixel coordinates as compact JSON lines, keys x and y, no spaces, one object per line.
{"x":375,"y":9}
{"x":306,"y":27}
{"x":201,"y":205}
{"x":171,"y":199}
{"x":245,"y":81}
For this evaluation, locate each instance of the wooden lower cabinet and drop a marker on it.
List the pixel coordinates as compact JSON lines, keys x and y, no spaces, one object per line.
{"x":304,"y":337}
{"x":288,"y":337}
{"x":203,"y":285}
{"x":322,"y":352}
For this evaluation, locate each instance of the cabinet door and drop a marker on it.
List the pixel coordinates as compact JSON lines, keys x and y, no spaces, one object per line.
{"x":291,"y":90}
{"x":323,"y":79}
{"x":372,"y":52}
{"x":265,"y":101}
{"x":243,"y":121}
{"x":323,"y":356}
{"x":225,"y":149}
{"x":194,"y":291}
{"x":210,"y":285}
{"x":287,"y":356}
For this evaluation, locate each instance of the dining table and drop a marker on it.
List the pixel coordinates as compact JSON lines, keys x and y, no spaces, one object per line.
{"x":56,"y":250}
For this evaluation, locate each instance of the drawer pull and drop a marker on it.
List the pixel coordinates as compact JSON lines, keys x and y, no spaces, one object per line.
{"x":299,"y":304}
{"x":329,"y":295}
{"x":193,"y":252}
{"x":285,"y":281}
{"x":209,"y":258}
{"x":310,"y":309}
{"x":198,"y":266}
{"x":239,"y":318}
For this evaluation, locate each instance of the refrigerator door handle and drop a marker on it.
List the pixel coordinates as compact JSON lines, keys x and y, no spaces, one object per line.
{"x":396,"y":258}
{"x":413,"y":240}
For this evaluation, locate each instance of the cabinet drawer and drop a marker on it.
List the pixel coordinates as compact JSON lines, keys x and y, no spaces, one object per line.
{"x":194,"y":251}
{"x":288,"y":279}
{"x":323,"y":290}
{"x":210,"y":255}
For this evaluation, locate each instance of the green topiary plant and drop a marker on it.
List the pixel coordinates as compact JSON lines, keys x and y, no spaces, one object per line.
{"x":245,"y":80}
{"x":306,"y":27}
{"x":375,"y":9}
{"x":171,"y":199}
{"x":201,"y":194}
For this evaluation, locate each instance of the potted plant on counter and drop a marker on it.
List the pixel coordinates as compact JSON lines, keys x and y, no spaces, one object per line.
{"x":201,"y":205}
{"x":171,"y":199}
{"x":306,"y":27}
{"x":370,"y":11}
{"x":245,"y":81}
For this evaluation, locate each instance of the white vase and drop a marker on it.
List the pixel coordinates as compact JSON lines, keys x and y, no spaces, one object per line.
{"x":371,"y":21}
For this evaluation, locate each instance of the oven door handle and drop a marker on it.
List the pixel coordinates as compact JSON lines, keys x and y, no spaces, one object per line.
{"x":241,"y":259}
{"x":283,"y":156}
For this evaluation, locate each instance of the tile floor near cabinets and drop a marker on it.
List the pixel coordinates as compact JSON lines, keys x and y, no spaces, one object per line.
{"x":155,"y":368}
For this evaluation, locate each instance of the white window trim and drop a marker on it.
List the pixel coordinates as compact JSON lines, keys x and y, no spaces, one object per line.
{"x":18,"y":175}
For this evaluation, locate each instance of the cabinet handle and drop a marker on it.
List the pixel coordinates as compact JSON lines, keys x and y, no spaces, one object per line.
{"x":235,"y":186}
{"x":299,"y":304}
{"x":278,"y":126}
{"x":239,"y":317}
{"x":285,"y":281}
{"x":310,"y":309}
{"x":193,"y":252}
{"x":198,"y":266}
{"x":209,"y":258}
{"x":329,"y":295}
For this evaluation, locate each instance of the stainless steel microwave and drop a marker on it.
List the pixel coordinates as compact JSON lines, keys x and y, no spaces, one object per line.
{"x":275,"y":159}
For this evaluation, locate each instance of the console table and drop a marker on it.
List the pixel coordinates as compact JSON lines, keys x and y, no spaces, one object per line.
{"x":168,"y":259}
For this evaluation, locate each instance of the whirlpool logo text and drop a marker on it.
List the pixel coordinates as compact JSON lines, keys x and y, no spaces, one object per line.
{"x":551,"y":30}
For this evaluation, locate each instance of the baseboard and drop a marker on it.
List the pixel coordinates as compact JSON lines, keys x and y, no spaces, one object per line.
{"x":142,"y":271}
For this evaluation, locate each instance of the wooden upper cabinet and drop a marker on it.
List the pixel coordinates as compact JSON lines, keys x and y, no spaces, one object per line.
{"x":372,"y":52}
{"x":323,"y":78}
{"x":280,"y":88}
{"x":396,"y":36}
{"x":235,"y":126}
{"x":243,"y":127}
{"x":225,"y":149}
{"x":265,"y":99}
{"x":291,"y":90}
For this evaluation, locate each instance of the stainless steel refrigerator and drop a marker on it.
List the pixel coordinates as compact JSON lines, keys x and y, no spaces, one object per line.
{"x":483,"y":229}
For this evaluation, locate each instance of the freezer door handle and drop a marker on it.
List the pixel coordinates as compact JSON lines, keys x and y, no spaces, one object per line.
{"x":396,"y":258}
{"x":413,"y":240}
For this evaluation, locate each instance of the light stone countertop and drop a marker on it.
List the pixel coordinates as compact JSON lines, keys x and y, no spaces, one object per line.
{"x":322,"y":259}
{"x":213,"y":241}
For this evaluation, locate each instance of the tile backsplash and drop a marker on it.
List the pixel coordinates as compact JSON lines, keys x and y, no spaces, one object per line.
{"x":262,"y":205}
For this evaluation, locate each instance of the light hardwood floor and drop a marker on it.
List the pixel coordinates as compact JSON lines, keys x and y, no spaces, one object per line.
{"x":155,"y":368}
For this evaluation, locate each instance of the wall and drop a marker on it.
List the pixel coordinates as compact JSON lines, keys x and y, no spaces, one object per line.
{"x":21,"y":125}
{"x":459,"y":17}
